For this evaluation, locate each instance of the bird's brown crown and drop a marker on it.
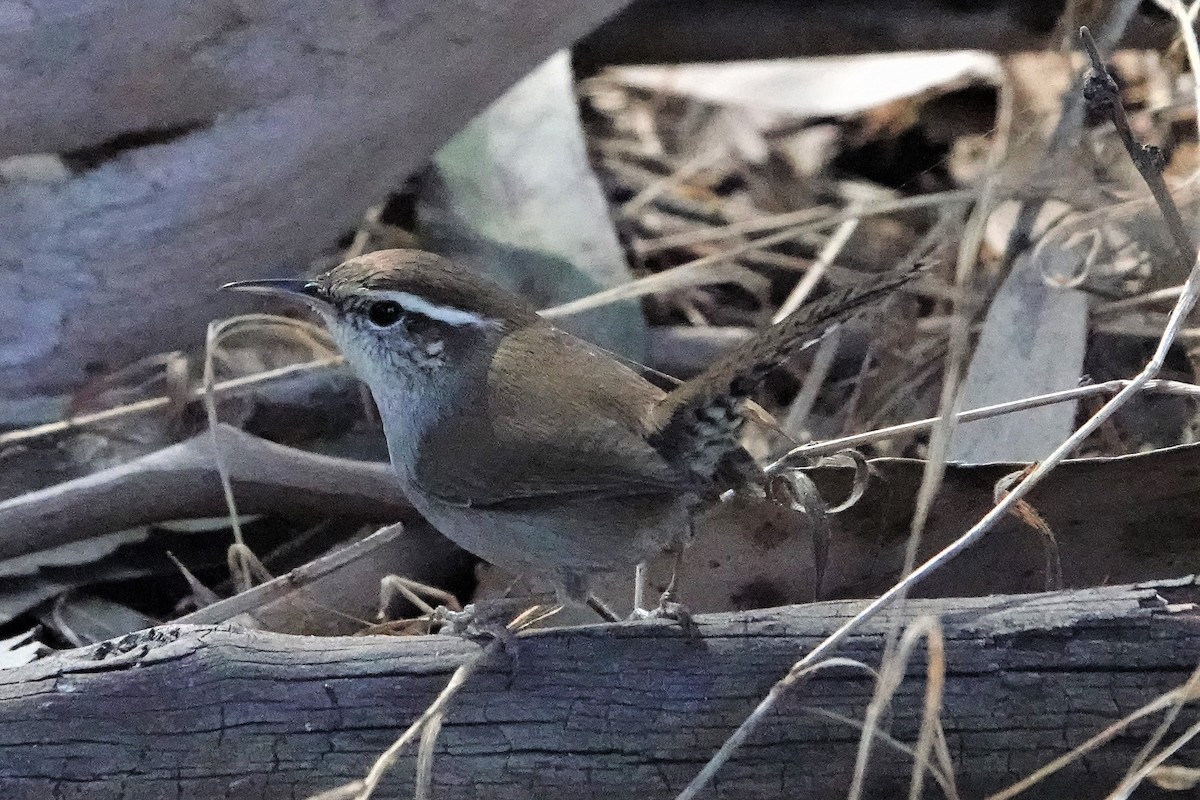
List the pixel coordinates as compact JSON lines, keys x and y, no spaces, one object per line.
{"x":426,"y":276}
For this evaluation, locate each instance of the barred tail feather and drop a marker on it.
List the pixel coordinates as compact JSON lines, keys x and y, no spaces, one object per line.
{"x":735,"y":374}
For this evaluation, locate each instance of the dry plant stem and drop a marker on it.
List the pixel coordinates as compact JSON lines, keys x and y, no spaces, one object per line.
{"x":948,"y":222}
{"x":1189,"y":690}
{"x":411,"y":591}
{"x":243,"y":563}
{"x":932,"y":738}
{"x":345,"y":792}
{"x":886,"y":685}
{"x":1070,"y":120}
{"x":808,"y":219}
{"x":822,"y":360}
{"x":1128,"y":786}
{"x":424,"y":782}
{"x":828,"y":253}
{"x":827,"y":349}
{"x":1175,"y":698}
{"x":683,"y":173}
{"x":959,"y":340}
{"x":239,"y":566}
{"x":706,"y":234}
{"x":220,"y":389}
{"x":640,"y":581}
{"x":363,"y":235}
{"x":646,"y":285}
{"x":984,"y":412}
{"x":939,"y":774}
{"x":1146,"y":331}
{"x":957,"y":352}
{"x":1136,"y":302}
{"x":1187,"y":20}
{"x":436,"y":710}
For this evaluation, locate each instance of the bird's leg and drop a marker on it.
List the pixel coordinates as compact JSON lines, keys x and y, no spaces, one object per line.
{"x":640,"y":580}
{"x":669,"y":606}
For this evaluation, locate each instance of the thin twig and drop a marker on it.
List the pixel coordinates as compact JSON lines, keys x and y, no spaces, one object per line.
{"x":1070,"y":121}
{"x":958,"y":349}
{"x":703,"y":234}
{"x":429,"y":737}
{"x":890,"y":677}
{"x":1137,"y":301}
{"x":959,"y":342}
{"x":685,"y":171}
{"x":985,"y":412}
{"x":812,"y":277}
{"x":1128,"y":786}
{"x":1102,"y":93}
{"x":1189,"y":690}
{"x":293,"y":581}
{"x":238,"y":561}
{"x":794,"y":421}
{"x":823,"y":359}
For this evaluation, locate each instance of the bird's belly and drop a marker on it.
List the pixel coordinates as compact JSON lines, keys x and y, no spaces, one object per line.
{"x":577,"y":535}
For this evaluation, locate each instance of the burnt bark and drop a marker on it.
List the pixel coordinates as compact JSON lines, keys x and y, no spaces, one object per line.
{"x":612,"y":711}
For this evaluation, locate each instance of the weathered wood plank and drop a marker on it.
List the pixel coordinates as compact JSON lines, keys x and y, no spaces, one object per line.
{"x":613,"y":711}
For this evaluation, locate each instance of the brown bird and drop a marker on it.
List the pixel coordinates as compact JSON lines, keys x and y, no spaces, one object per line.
{"x":528,"y":446}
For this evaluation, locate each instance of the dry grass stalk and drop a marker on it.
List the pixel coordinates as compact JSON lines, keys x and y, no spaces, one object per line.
{"x":1188,"y":693}
{"x":244,"y":565}
{"x":429,"y":723}
{"x":691,"y":274}
{"x":889,"y":680}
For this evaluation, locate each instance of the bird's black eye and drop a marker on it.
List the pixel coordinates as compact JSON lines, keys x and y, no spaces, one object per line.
{"x":384,"y":313}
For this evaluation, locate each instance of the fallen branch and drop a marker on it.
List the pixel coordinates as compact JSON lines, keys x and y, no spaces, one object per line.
{"x":180,"y":482}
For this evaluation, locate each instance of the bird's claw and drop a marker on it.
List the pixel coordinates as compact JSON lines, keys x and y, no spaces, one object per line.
{"x":474,"y":625}
{"x":669,"y":608}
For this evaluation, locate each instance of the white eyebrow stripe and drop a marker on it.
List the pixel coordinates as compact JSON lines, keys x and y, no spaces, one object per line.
{"x":446,"y":314}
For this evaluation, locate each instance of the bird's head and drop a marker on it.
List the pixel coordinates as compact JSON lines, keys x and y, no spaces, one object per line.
{"x":404,"y":317}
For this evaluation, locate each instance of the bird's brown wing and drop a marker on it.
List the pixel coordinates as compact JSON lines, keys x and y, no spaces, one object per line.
{"x":576,"y":428}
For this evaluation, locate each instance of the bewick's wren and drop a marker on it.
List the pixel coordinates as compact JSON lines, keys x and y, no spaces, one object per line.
{"x":530,"y":447}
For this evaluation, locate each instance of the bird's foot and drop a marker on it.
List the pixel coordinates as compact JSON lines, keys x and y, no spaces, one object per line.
{"x":483,"y":622}
{"x":669,"y":608}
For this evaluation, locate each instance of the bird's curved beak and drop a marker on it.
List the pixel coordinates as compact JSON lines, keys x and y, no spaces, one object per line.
{"x":307,"y":291}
